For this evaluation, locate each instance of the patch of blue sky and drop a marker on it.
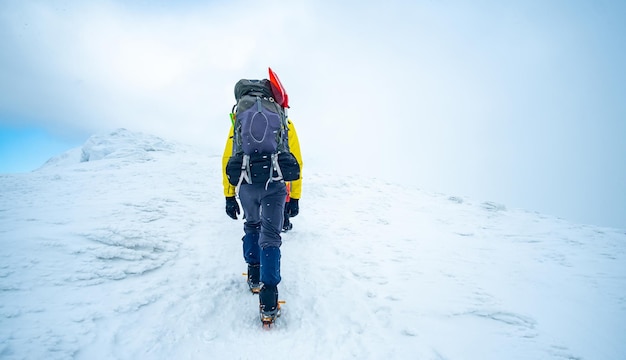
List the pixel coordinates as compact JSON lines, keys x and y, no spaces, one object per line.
{"x":24,"y":149}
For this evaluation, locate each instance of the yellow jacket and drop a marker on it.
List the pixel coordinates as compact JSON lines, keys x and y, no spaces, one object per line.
{"x":294,"y":148}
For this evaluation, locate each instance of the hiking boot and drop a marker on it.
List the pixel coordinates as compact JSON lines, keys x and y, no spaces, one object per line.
{"x":268,"y":302}
{"x":287,"y":225}
{"x":254,"y":273}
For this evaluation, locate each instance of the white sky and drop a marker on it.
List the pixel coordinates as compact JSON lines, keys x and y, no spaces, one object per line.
{"x":519,"y":102}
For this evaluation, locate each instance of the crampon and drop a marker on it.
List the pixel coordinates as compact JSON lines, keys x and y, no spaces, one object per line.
{"x":269,"y":317}
{"x":255,"y":288}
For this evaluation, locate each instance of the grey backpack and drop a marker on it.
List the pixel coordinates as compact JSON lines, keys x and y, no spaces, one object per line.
{"x":260,"y":140}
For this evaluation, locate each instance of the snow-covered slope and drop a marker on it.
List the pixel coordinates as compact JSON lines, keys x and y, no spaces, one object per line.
{"x":122,"y":250}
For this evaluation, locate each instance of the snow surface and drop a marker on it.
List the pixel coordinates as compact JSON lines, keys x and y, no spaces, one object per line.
{"x":122,"y":250}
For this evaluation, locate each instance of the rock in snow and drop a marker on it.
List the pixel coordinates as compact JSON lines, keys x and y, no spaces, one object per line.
{"x":121,"y":250}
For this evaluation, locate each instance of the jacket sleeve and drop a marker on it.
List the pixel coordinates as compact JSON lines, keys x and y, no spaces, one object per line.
{"x":294,"y":148}
{"x":229,"y":190}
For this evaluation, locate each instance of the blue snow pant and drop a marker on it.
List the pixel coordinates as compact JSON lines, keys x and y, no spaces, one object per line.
{"x":263,"y":210}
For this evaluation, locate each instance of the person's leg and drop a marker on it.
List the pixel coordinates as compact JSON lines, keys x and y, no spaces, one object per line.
{"x":251,"y":254}
{"x":272,"y":212}
{"x":252,"y":227}
{"x":286,"y":223}
{"x":272,"y":209}
{"x":251,"y":249}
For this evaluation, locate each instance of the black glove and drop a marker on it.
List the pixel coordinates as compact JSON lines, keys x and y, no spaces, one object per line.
{"x":232,"y":207}
{"x":292,"y":208}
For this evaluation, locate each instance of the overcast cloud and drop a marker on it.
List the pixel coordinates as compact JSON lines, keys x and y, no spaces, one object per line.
{"x":519,"y":102}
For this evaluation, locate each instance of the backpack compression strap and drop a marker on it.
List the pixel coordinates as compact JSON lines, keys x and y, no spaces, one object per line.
{"x":245,"y":173}
{"x":275,"y":166}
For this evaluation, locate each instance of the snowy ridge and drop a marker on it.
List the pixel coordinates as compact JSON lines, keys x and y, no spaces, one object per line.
{"x":118,"y":144}
{"x":130,"y":255}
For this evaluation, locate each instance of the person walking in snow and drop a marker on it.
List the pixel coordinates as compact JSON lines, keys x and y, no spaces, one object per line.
{"x":263,"y":201}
